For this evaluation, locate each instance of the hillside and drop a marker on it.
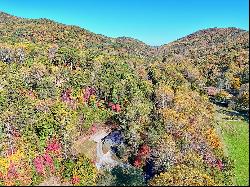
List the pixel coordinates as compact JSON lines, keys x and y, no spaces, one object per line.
{"x":45,"y":32}
{"x":79,"y":108}
{"x":219,"y":58}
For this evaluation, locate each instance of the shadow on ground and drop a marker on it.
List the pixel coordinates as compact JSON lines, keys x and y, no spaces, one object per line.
{"x":235,"y":114}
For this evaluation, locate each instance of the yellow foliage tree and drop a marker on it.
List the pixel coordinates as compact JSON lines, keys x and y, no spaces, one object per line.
{"x":236,"y":83}
{"x":182,"y":175}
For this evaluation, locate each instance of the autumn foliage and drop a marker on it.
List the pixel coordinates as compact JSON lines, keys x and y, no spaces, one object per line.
{"x":58,"y":83}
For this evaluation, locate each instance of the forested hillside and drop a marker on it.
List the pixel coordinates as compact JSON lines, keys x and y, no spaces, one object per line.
{"x":80,"y":108}
{"x":221,"y":56}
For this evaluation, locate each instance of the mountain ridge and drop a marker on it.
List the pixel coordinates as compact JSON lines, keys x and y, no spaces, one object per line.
{"x":121,"y":38}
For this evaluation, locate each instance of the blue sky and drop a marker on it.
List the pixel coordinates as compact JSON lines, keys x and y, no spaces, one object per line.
{"x":154,"y":22}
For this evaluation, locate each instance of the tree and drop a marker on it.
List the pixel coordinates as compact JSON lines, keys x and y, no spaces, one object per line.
{"x":127,"y":176}
{"x":182,"y":175}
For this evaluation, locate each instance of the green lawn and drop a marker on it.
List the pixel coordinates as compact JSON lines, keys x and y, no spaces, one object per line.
{"x":235,"y":135}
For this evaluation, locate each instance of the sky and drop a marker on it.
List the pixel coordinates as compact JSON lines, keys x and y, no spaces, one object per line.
{"x":155,"y":22}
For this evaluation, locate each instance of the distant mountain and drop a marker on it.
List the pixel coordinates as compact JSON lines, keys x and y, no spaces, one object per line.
{"x":208,"y":41}
{"x":44,"y":31}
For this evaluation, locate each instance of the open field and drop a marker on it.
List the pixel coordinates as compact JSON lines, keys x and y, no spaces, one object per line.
{"x":235,"y":134}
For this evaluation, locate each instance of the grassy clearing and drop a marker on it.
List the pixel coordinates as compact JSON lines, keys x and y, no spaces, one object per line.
{"x":235,"y":135}
{"x":86,"y":147}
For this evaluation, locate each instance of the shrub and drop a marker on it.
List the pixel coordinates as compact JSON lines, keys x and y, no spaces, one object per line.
{"x":84,"y":172}
{"x":181,"y":175}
